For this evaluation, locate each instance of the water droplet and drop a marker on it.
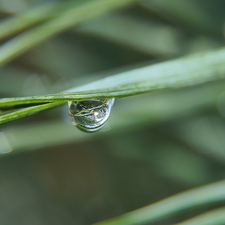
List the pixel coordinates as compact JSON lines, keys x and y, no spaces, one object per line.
{"x":90,"y":115}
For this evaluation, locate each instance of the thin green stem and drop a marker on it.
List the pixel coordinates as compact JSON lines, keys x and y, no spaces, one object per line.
{"x":182,"y":72}
{"x":22,"y":21}
{"x":25,"y":112}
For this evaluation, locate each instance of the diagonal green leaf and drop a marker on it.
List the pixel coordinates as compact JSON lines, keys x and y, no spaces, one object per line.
{"x":216,"y":216}
{"x":155,"y":108}
{"x":65,"y":21}
{"x":207,"y":194}
{"x":173,"y":74}
{"x":19,"y":22}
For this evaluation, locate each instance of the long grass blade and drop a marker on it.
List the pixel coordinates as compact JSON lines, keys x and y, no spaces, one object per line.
{"x":182,"y":72}
{"x":22,"y":21}
{"x":25,"y":112}
{"x":65,"y":21}
{"x":155,"y":109}
{"x":192,"y":198}
{"x":216,"y":216}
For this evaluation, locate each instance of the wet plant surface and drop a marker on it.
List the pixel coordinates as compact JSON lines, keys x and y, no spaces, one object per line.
{"x":161,"y":140}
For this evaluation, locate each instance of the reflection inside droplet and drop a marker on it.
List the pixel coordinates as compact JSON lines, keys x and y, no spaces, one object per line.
{"x":90,"y":115}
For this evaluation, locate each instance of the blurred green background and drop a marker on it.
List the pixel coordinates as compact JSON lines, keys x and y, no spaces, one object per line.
{"x":153,"y":146}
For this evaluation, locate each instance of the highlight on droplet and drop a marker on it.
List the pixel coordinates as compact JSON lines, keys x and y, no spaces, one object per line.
{"x":90,"y":115}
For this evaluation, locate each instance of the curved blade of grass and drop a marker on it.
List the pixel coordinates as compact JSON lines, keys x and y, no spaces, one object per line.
{"x":65,"y":21}
{"x":19,"y":22}
{"x":192,"y":198}
{"x":155,"y":108}
{"x":25,"y":112}
{"x":173,"y":74}
{"x":216,"y":216}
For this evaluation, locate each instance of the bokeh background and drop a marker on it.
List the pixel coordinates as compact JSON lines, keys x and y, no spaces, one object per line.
{"x":154,"y":145}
